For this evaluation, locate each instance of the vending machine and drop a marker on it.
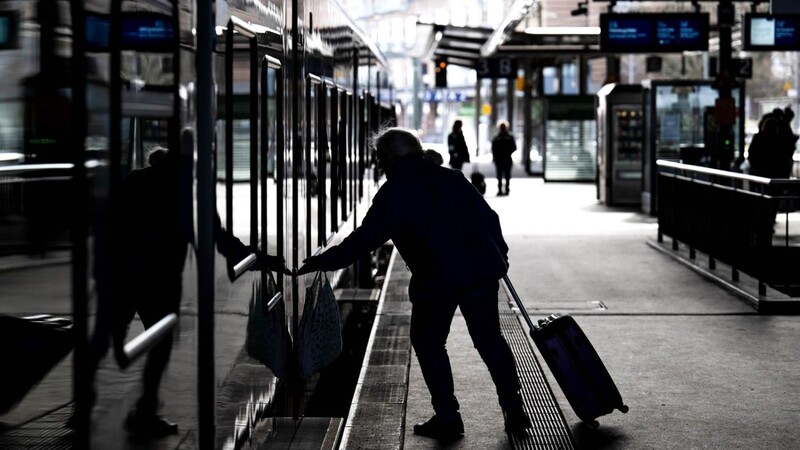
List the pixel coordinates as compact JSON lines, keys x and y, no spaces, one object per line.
{"x":620,"y":143}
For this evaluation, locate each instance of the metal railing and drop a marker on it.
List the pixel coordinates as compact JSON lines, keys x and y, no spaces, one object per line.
{"x":732,"y":217}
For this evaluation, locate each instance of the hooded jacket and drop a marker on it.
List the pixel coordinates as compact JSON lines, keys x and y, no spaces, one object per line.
{"x":447,"y":234}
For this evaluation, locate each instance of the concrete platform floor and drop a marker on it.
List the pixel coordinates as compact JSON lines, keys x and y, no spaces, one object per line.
{"x":697,"y":366}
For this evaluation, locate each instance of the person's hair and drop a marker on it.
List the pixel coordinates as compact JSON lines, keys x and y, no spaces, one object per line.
{"x":156,"y":155}
{"x":502,"y":125}
{"x":433,"y":156}
{"x":788,"y":114}
{"x":457,"y":125}
{"x":394,"y":143}
{"x":769,"y":126}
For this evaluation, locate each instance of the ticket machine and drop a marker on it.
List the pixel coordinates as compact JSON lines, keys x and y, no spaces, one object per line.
{"x":620,"y":140}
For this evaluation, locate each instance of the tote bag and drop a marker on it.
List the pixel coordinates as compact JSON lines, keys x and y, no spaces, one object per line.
{"x":319,"y":339}
{"x":268,"y":339}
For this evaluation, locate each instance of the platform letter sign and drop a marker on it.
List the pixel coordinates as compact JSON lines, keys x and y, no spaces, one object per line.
{"x":497,"y":68}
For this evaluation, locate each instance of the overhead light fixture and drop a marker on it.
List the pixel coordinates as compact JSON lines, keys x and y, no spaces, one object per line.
{"x":582,"y":9}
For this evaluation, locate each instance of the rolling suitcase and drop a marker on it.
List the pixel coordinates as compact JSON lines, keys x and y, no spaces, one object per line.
{"x":479,"y":181}
{"x":574,"y":363}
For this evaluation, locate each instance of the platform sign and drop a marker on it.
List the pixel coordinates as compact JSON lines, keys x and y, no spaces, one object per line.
{"x":443,"y":95}
{"x":653,"y":33}
{"x":496,"y":68}
{"x":772,"y":32}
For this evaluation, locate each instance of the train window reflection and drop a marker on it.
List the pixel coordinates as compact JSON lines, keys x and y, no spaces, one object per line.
{"x":238,"y":168}
{"x":312,"y":165}
{"x":268,"y":176}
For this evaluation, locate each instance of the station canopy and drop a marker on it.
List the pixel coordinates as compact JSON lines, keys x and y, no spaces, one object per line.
{"x":466,"y":46}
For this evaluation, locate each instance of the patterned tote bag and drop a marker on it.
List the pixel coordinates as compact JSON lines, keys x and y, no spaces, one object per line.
{"x":268,"y":339}
{"x":319,"y":339}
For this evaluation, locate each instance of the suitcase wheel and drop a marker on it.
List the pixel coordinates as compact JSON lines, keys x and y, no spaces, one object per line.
{"x":623,"y":409}
{"x":594,"y":424}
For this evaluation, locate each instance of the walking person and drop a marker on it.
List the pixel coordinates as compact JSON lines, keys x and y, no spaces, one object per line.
{"x":148,"y":258}
{"x":457,"y":146}
{"x":503,"y":146}
{"x":452,"y":243}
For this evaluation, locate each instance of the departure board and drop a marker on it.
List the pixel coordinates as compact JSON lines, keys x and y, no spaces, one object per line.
{"x":653,"y":33}
{"x":141,"y":31}
{"x":147,"y":31}
{"x":772,"y":32}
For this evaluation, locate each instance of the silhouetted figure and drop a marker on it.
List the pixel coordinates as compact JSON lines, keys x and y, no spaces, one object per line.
{"x":765,"y":153}
{"x":151,"y":233}
{"x":452,"y":243}
{"x":149,"y":252}
{"x":457,"y":146}
{"x":503,"y":146}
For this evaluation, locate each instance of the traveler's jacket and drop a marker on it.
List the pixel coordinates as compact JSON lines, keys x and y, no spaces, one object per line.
{"x":503,"y":146}
{"x":447,"y":234}
{"x":457,"y":146}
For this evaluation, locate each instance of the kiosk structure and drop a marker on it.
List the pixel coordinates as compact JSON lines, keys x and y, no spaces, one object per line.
{"x":620,"y":140}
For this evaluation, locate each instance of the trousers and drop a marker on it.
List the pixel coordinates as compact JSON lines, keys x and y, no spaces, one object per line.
{"x":431,"y":318}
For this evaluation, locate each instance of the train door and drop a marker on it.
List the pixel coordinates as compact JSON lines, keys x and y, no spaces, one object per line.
{"x":247,"y":224}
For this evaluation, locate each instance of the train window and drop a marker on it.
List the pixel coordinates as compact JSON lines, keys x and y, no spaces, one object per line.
{"x":239,"y":166}
{"x":322,"y":159}
{"x":271,"y":121}
{"x":362,"y":143}
{"x":332,"y":118}
{"x":311,"y":165}
{"x":343,"y":183}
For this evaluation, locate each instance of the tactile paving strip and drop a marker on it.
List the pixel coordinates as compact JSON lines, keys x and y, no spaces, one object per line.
{"x":550,"y":430}
{"x":46,"y":432}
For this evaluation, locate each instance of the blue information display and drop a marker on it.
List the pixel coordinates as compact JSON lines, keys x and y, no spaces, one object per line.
{"x":140,"y":31}
{"x":653,"y":33}
{"x":772,"y":32}
{"x":147,"y":32}
{"x":8,"y":29}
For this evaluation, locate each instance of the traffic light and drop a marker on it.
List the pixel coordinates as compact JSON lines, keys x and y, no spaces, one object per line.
{"x":440,"y":71}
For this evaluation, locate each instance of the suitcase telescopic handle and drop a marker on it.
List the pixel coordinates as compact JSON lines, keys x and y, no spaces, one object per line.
{"x":521,"y":307}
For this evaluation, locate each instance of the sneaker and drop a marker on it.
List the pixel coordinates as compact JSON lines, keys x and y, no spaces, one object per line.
{"x":517,"y":421}
{"x":149,"y":427}
{"x":440,"y":428}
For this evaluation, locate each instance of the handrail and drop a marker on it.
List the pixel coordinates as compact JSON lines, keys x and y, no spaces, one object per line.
{"x":242,"y":266}
{"x":274,"y":301}
{"x":710,"y":171}
{"x":148,"y":339}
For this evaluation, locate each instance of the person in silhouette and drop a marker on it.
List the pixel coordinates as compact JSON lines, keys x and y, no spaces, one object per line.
{"x":152,"y":231}
{"x":453,"y":245}
{"x":503,"y":146}
{"x":149,"y":253}
{"x":457,"y":146}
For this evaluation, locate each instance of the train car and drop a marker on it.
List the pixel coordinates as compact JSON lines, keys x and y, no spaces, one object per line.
{"x":157,"y":159}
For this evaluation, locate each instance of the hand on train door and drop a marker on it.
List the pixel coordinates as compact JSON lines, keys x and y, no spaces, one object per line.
{"x":310,"y":264}
{"x":271,"y":263}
